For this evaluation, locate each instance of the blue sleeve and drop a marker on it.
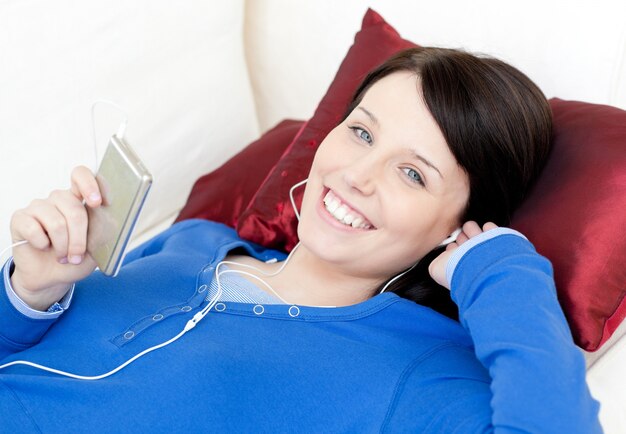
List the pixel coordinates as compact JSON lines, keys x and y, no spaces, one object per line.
{"x":507,"y":302}
{"x":524,"y":373}
{"x":18,"y":330}
{"x":53,"y":311}
{"x":22,"y":327}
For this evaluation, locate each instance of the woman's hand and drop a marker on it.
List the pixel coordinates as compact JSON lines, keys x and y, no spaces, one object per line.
{"x":56,"y":230}
{"x":437,"y":268}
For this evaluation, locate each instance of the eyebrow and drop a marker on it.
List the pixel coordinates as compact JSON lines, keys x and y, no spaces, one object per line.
{"x":424,"y":160}
{"x":410,"y":150}
{"x":369,"y":114}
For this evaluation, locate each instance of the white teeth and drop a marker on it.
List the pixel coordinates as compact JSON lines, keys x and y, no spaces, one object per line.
{"x":331,"y":202}
{"x":340,"y":212}
{"x":343,"y":213}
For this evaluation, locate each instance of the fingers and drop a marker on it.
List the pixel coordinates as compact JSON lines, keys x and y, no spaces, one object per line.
{"x":85,"y":187}
{"x":26,"y":227}
{"x":437,"y":268}
{"x":75,"y":216}
{"x":461,"y":238}
{"x":487,"y":226}
{"x":471,"y":229}
{"x":452,"y":246}
{"x":59,"y":222}
{"x":43,"y":225}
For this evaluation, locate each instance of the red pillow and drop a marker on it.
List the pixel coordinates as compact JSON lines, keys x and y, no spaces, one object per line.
{"x":576,"y":215}
{"x":223,"y":194}
{"x":270,"y":219}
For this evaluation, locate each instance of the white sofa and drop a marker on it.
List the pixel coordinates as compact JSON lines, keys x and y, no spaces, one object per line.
{"x":201,"y":79}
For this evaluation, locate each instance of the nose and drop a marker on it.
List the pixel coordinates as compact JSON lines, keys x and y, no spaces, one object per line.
{"x":360,"y":175}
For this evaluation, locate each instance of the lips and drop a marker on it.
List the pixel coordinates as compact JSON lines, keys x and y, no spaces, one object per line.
{"x":344,"y":213}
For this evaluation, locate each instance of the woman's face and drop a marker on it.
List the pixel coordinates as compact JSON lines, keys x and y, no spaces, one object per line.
{"x":384,"y":188}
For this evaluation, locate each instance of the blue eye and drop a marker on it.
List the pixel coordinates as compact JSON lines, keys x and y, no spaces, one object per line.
{"x":365,"y":136}
{"x":362,"y":134}
{"x":413,"y":175}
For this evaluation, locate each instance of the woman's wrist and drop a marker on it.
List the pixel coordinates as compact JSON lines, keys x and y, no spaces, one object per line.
{"x":39,"y":300}
{"x":464,"y":248}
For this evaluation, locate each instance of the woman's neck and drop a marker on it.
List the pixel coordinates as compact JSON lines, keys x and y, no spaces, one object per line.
{"x":307,"y":280}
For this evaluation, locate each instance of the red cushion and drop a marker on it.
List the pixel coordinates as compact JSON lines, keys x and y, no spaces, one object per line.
{"x":269,"y":219}
{"x":576,"y":215}
{"x":223,"y":194}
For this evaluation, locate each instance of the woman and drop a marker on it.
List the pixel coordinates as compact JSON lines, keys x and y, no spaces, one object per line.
{"x":434,"y":140}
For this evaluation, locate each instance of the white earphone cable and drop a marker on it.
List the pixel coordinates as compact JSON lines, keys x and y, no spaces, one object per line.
{"x":201,"y":314}
{"x":15,"y":244}
{"x":190,"y":324}
{"x":293,"y":202}
{"x":121,"y":130}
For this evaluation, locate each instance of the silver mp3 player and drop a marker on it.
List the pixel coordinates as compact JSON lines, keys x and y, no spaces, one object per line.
{"x":124,"y":183}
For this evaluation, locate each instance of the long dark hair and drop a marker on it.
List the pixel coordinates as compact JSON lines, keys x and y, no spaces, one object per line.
{"x":497,"y":124}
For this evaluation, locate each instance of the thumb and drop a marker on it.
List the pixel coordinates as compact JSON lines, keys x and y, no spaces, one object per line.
{"x":437,"y":268}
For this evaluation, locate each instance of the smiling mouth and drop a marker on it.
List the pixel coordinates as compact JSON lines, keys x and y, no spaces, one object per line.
{"x":343,"y":213}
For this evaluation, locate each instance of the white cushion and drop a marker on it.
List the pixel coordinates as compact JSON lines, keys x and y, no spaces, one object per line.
{"x":607,"y":382}
{"x":573,"y":50}
{"x":178,"y":68}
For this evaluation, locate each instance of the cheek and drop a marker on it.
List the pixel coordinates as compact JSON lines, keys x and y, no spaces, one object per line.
{"x":328,"y":150}
{"x":316,"y":179}
{"x":418,"y":220}
{"x":337,"y":148}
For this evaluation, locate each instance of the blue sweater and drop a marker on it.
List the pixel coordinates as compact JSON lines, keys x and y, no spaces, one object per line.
{"x":384,"y":365}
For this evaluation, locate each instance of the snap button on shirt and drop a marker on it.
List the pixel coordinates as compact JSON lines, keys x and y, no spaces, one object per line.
{"x":294,"y":311}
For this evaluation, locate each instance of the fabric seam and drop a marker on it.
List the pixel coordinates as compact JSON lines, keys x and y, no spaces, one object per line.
{"x":316,"y":318}
{"x":405,"y":375}
{"x":17,"y":345}
{"x":21,"y":404}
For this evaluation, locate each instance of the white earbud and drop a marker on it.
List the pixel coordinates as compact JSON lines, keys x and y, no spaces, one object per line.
{"x":451,"y":238}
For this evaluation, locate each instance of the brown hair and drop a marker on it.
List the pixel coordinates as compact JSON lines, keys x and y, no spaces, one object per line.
{"x":497,"y":123}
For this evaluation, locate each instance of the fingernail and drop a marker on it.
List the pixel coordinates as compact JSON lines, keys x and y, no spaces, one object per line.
{"x":94,"y":196}
{"x":63,"y":260}
{"x":75,"y":259}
